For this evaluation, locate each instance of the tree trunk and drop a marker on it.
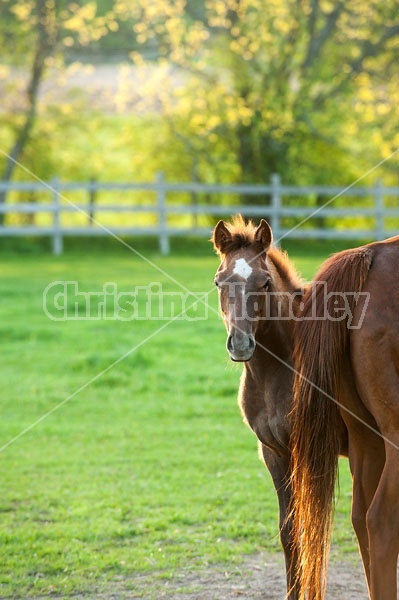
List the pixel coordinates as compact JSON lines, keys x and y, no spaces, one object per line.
{"x":259,"y":156}
{"x":43,"y":48}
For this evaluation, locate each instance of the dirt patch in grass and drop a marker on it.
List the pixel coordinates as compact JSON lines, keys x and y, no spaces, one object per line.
{"x":260,"y":577}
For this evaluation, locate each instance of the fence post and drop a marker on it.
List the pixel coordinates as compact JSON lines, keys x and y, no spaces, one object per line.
{"x":92,"y":201}
{"x":276,"y":204}
{"x":162,"y":216}
{"x":379,"y":210}
{"x":57,"y":235}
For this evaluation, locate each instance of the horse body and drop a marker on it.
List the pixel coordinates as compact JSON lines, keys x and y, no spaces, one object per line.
{"x":350,"y":373}
{"x":374,"y":358}
{"x":265,"y":398}
{"x":257,"y":284}
{"x":265,"y":395}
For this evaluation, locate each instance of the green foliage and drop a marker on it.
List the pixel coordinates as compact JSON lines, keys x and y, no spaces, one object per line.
{"x":221,"y":91}
{"x":284,"y":78}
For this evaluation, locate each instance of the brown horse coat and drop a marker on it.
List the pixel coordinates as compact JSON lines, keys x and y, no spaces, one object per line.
{"x":348,"y":369}
{"x":256,"y":284}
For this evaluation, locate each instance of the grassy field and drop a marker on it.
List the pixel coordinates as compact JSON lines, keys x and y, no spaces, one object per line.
{"x":146,"y":469}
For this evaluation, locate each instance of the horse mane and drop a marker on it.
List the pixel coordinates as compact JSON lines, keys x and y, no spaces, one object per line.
{"x":243,"y":236}
{"x":285,"y":268}
{"x":321,"y":347}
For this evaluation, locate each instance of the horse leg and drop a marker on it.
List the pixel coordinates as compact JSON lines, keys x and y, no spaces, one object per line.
{"x":366,"y":458}
{"x":279,"y":470}
{"x":378,"y":389}
{"x":383,"y":527}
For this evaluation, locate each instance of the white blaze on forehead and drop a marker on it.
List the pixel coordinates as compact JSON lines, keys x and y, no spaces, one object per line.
{"x":242,"y":268}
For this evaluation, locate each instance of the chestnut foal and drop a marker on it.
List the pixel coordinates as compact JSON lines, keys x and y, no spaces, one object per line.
{"x":259,"y":293}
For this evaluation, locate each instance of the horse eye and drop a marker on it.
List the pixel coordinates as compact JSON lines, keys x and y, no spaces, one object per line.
{"x":266,"y":285}
{"x":216,"y":283}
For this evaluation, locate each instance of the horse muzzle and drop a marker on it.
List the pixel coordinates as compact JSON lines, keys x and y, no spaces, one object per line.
{"x":240,"y":346}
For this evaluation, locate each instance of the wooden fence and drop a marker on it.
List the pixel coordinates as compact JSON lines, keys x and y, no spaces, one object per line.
{"x":274,"y":207}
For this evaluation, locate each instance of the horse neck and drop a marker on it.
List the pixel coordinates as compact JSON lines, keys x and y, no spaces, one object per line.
{"x":275,"y":332}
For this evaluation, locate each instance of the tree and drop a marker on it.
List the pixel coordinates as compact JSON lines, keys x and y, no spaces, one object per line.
{"x":276,"y":77}
{"x":37,"y":33}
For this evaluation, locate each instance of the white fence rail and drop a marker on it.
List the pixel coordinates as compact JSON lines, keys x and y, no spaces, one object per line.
{"x":272,"y":207}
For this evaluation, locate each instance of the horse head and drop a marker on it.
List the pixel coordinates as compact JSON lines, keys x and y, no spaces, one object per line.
{"x":242,"y":279}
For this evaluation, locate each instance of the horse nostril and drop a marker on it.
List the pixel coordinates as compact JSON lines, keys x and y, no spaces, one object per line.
{"x":251,"y":342}
{"x":229,"y":343}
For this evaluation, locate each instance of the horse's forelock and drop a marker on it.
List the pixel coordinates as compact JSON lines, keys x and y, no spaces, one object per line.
{"x":242,"y":235}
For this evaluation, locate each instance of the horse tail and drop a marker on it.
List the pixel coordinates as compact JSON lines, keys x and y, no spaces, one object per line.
{"x":321,"y":348}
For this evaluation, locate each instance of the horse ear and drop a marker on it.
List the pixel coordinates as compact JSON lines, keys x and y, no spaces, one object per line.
{"x":264,"y":234}
{"x":221,"y":236}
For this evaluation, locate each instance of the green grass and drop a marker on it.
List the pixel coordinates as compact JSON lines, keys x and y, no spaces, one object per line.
{"x":147,"y":469}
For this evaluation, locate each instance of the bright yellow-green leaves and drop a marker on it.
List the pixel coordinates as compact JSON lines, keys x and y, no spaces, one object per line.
{"x":282,"y":70}
{"x":295,"y":86}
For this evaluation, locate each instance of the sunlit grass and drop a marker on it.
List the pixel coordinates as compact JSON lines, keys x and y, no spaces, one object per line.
{"x":146,"y":469}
